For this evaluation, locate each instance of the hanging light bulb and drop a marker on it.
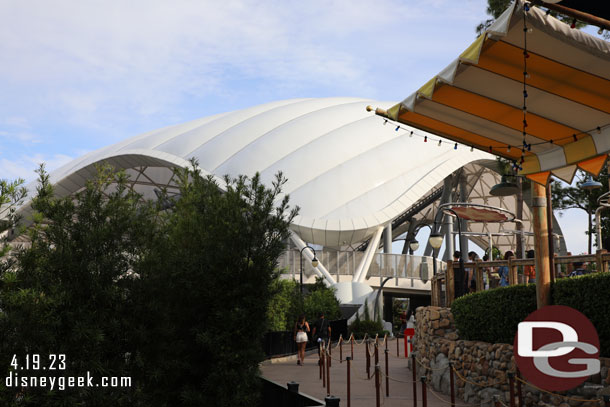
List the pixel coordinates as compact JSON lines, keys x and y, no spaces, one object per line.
{"x":600,"y":31}
{"x":598,"y":129}
{"x":471,"y":149}
{"x":440,"y":142}
{"x":411,"y":134}
{"x":455,"y":146}
{"x":385,"y":122}
{"x":573,"y":25}
{"x":575,"y":138}
{"x":508,"y":149}
{"x":397,"y":127}
{"x":425,"y":139}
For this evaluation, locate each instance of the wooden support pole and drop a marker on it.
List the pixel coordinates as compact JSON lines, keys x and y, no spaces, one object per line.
{"x":541,"y":242}
{"x":478,"y":270}
{"x":450,"y":283}
{"x":513,"y":275}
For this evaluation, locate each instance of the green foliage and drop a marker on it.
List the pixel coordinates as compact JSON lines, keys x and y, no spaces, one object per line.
{"x":12,"y":194}
{"x":209,"y":286}
{"x":588,"y":294}
{"x":359,"y":328}
{"x":567,"y":197}
{"x":493,"y":315}
{"x":284,"y":305}
{"x":69,"y":293}
{"x":321,"y":299}
{"x":175,"y":299}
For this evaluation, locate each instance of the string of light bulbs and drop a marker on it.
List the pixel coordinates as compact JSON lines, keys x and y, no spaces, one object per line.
{"x":524,"y":145}
{"x":499,"y":148}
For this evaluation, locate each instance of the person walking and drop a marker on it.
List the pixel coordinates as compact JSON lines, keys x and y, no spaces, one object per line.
{"x":471,"y":282}
{"x":321,"y":330}
{"x":300,"y":336}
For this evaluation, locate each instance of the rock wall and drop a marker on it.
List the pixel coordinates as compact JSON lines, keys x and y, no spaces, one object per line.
{"x":485,"y":366}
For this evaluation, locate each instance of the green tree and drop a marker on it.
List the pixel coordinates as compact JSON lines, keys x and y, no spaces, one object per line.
{"x":207,"y":290}
{"x":496,"y":7}
{"x":575,"y":197}
{"x":12,"y":194}
{"x":284,"y":305}
{"x":69,"y":292}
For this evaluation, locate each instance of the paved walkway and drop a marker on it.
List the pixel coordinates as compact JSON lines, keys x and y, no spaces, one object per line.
{"x":285,"y":370}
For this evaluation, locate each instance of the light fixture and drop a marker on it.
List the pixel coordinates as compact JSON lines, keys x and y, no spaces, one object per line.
{"x":414,"y":245}
{"x":314,"y":262}
{"x":590,"y":184}
{"x":436,"y":240}
{"x":504,"y":188}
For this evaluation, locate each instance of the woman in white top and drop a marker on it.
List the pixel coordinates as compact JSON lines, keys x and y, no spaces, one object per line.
{"x":300,"y":336}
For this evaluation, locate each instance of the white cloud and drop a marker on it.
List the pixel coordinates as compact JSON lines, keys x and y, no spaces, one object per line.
{"x":25,"y":166}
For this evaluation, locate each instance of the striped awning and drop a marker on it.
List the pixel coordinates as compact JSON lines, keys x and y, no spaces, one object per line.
{"x":478,"y":99}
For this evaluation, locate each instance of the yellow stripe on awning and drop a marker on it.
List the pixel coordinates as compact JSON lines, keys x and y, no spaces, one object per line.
{"x":472,"y":53}
{"x":579,"y":150}
{"x":428,"y":89}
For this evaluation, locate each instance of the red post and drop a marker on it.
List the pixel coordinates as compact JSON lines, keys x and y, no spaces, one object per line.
{"x":323,"y":368}
{"x":328,"y":374}
{"x":341,"y":349}
{"x":377,"y":385}
{"x":349,"y":396}
{"x":387,"y":375}
{"x":414,"y":370}
{"x":452,"y":384}
{"x":352,"y":343}
{"x":368,"y":360}
{"x":424,"y":401}
{"x":511,"y":388}
{"x":320,"y":359}
{"x":376,"y":353}
{"x":519,"y":392}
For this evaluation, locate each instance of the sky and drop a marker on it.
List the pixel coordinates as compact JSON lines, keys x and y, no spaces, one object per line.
{"x":76,"y":76}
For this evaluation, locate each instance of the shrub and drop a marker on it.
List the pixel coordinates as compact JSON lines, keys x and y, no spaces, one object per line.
{"x":359,"y":328}
{"x":493,"y":316}
{"x":322,"y":299}
{"x":284,"y":306}
{"x":589,"y":295}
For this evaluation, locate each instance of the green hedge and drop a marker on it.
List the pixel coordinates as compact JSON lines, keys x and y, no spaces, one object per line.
{"x":493,"y":315}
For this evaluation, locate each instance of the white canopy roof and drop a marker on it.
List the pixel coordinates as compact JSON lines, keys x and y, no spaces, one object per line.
{"x":347,"y":172}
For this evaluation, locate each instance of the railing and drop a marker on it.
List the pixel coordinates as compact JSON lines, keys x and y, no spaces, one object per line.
{"x":443,"y":289}
{"x":343,"y":263}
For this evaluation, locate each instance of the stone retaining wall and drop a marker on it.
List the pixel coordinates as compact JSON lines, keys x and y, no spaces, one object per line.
{"x":485,"y":365}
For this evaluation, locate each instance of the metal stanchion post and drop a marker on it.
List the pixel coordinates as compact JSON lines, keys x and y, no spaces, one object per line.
{"x":320,"y":359}
{"x":414,"y":370}
{"x":341,"y":349}
{"x":424,"y":401}
{"x":368,"y":360}
{"x":323,"y":368}
{"x":511,"y":388}
{"x":387,"y":375}
{"x":452,"y":384}
{"x":349,"y":396}
{"x":519,"y":392}
{"x":352,"y":346}
{"x":328,"y":374}
{"x":376,"y":353}
{"x":377,"y":390}
{"x":329,"y":350}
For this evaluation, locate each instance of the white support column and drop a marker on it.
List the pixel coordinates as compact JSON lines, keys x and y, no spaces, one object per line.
{"x":387,"y":239}
{"x":320,"y":270}
{"x":363,"y":267}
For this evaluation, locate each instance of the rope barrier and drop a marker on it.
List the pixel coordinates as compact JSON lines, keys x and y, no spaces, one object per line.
{"x":555,"y":394}
{"x":429,"y":388}
{"x":430,"y":368}
{"x":462,"y":378}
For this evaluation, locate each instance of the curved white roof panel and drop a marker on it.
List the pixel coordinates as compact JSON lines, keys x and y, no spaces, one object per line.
{"x":347,"y":171}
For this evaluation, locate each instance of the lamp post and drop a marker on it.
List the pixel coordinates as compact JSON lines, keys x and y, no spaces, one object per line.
{"x":314,"y":263}
{"x":436,"y":240}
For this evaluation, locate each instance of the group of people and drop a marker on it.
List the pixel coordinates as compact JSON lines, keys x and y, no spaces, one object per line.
{"x":529,"y":271}
{"x":320,"y":334}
